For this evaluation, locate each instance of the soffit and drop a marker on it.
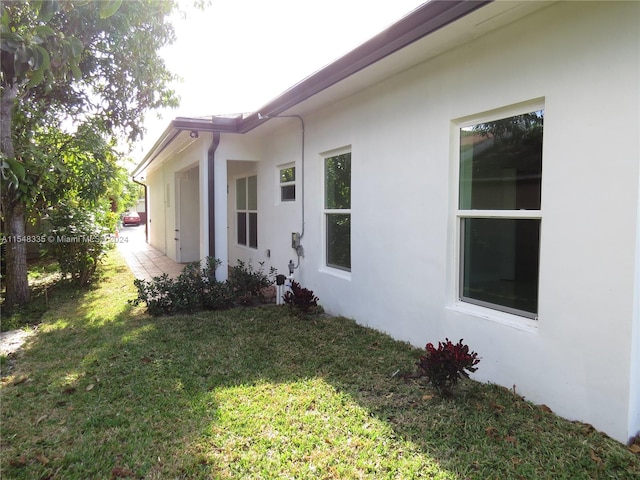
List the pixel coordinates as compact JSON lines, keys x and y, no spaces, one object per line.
{"x":311,"y":93}
{"x":176,"y":141}
{"x":476,"y":24}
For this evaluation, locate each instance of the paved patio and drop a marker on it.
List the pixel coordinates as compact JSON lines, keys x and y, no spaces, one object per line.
{"x":144,"y":260}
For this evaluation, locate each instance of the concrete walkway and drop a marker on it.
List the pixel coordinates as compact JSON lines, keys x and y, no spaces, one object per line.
{"x":144,"y":260}
{"x":12,"y":341}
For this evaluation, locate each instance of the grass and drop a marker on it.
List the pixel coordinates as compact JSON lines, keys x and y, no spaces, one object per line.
{"x":104,"y":391}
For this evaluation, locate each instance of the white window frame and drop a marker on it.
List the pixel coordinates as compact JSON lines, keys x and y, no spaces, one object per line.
{"x":281,"y":184}
{"x":246,"y":210}
{"x":344,"y":273}
{"x":493,"y":312}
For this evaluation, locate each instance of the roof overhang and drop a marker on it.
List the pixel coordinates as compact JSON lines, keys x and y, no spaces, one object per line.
{"x":423,"y":21}
{"x":194,"y":126}
{"x":420,"y":23}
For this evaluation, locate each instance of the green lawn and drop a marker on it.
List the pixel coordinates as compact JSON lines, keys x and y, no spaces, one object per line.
{"x":104,"y":391}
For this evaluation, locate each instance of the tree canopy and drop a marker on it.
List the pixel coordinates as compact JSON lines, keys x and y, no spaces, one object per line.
{"x":75,"y":75}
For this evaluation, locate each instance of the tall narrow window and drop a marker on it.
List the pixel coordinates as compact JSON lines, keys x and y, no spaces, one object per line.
{"x":337,"y":210}
{"x":499,"y":213}
{"x":247,"y":211}
{"x":287,"y":184}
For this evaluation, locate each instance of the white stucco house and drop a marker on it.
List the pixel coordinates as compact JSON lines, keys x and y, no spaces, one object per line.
{"x":471,"y":172}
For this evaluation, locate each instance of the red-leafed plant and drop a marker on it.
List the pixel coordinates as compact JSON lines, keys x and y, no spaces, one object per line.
{"x":301,"y":299}
{"x":445,"y":365}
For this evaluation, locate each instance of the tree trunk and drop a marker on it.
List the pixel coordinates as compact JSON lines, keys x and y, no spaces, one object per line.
{"x":16,"y":282}
{"x":13,"y":212}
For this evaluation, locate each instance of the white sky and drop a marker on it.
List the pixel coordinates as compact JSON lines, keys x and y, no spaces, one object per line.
{"x":238,"y":55}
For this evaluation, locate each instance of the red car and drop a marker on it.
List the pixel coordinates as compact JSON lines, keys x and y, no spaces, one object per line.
{"x":130,"y":218}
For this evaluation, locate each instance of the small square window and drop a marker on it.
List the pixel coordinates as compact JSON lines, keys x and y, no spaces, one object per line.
{"x":288,"y":184}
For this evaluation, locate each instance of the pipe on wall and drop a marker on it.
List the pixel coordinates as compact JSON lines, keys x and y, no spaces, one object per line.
{"x":215,"y":141}
{"x":146,"y":210}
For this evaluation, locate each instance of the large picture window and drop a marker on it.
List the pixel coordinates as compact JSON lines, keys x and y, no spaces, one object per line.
{"x":337,"y":210}
{"x":247,"y":211}
{"x":499,"y":213}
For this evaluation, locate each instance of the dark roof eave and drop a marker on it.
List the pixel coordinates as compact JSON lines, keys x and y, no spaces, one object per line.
{"x":180,"y":124}
{"x":423,"y":21}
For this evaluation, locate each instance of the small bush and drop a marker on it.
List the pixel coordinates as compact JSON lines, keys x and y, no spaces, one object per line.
{"x":194,"y":289}
{"x":248,"y":283}
{"x":157,"y":293}
{"x":77,"y":240}
{"x":445,"y":365}
{"x":301,"y":299}
{"x":218,"y":296}
{"x":215,"y":295}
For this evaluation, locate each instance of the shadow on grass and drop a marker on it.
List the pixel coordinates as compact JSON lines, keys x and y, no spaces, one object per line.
{"x":108,"y":392}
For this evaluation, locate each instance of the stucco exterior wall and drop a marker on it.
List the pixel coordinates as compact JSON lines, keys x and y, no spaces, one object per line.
{"x":581,"y":61}
{"x":276,"y":219}
{"x":236,"y":155}
{"x":578,"y":60}
{"x":164,"y":198}
{"x":156,"y":209}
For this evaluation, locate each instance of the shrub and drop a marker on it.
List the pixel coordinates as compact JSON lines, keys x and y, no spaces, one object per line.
{"x":188,"y":289}
{"x":445,"y":365}
{"x":194,"y":289}
{"x":77,"y":240}
{"x":301,"y":299}
{"x":248,"y":283}
{"x":218,"y":296}
{"x":157,"y":293}
{"x":215,"y":295}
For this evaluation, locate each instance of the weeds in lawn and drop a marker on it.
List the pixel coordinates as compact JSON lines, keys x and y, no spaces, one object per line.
{"x":105,"y":391}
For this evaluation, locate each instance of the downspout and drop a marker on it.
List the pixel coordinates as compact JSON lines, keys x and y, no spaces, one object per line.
{"x":210,"y":189}
{"x":146,"y":210}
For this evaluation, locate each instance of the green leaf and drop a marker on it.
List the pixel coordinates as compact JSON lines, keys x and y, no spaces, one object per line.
{"x":4,"y":20}
{"x":44,"y":31}
{"x":76,"y":72}
{"x":76,"y":46}
{"x":47,"y":10}
{"x":11,"y":37}
{"x":36,"y":78}
{"x":21,"y":61}
{"x":109,"y":7}
{"x":16,"y":167}
{"x":41,"y":58}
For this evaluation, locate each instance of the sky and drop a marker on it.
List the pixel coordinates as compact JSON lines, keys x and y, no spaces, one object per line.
{"x":237,"y":55}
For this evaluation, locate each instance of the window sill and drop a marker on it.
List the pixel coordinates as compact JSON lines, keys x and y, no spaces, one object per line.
{"x":507,"y":319}
{"x":246,"y":247}
{"x":335,"y":272}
